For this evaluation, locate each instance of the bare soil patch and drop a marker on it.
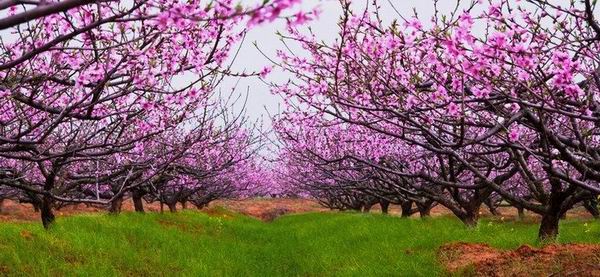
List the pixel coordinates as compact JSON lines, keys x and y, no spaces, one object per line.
{"x":218,"y":212}
{"x":262,"y":208}
{"x":266,"y":209}
{"x":15,"y":211}
{"x":269,"y":209}
{"x":475,"y":259}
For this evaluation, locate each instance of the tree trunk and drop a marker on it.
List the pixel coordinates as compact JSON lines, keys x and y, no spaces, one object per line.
{"x":425,"y":208}
{"x":356,"y":207}
{"x":366,"y":208}
{"x":1,"y":204}
{"x":590,"y":205}
{"x":549,"y":226}
{"x":470,"y":219}
{"x":425,"y":211}
{"x":385,"y":205}
{"x":46,"y":212}
{"x":406,"y":208}
{"x":115,"y":206}
{"x":172,"y":207}
{"x":470,"y":215}
{"x":162,"y":209}
{"x":493,"y":210}
{"x":184,"y":205}
{"x":521,"y":213}
{"x":138,"y":205}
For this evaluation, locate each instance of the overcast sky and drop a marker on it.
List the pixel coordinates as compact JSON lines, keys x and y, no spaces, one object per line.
{"x":260,"y":99}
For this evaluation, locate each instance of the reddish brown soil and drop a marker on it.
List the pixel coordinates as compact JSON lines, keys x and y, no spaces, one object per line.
{"x":472,"y":259}
{"x":269,"y":209}
{"x":14,"y":211}
{"x":265,"y":209}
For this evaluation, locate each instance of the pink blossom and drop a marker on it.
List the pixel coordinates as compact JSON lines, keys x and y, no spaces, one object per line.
{"x":265,"y":71}
{"x":514,"y":134}
{"x":300,"y":18}
{"x":453,"y":109}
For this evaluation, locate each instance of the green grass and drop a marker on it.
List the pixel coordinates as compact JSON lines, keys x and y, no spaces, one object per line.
{"x":195,"y":244}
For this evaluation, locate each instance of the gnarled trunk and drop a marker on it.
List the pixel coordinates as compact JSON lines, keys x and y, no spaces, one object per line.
{"x":553,"y":213}
{"x":493,"y":209}
{"x":138,"y":205}
{"x":115,"y":206}
{"x":183,"y":204}
{"x":549,"y":227}
{"x":425,"y":212}
{"x":590,"y":205}
{"x":470,"y":218}
{"x":550,"y":219}
{"x":366,"y":208}
{"x":406,"y":208}
{"x":521,"y":213}
{"x":469,"y":215}
{"x":46,"y":212}
{"x":172,"y":207}
{"x":385,"y":205}
{"x":425,"y":208}
{"x":47,"y":203}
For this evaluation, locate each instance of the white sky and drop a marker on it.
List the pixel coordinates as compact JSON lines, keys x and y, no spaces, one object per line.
{"x":260,"y":100}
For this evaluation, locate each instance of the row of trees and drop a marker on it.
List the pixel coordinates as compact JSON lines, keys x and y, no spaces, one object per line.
{"x":493,"y":102}
{"x":104,"y":100}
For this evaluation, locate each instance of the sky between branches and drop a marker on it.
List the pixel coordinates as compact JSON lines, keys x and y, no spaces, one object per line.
{"x":261,"y":102}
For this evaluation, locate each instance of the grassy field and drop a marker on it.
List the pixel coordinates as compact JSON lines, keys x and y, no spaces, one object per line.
{"x":222,"y":243}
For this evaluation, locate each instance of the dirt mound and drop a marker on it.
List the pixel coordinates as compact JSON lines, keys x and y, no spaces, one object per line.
{"x":474,"y":259}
